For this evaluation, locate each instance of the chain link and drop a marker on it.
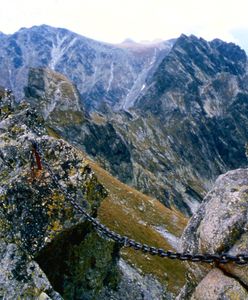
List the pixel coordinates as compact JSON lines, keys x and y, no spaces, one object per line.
{"x":124,"y":241}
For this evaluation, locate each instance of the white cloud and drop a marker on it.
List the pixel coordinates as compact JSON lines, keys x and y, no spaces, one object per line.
{"x":115,"y":20}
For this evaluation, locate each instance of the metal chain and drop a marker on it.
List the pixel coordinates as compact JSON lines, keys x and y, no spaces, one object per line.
{"x":124,"y":241}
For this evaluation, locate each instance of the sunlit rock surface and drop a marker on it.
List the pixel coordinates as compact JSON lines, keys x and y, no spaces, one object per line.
{"x":220,"y":226}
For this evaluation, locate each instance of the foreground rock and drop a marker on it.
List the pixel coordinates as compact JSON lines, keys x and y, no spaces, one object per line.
{"x":218,"y":286}
{"x":47,"y":248}
{"x":37,"y":222}
{"x":220,"y":225}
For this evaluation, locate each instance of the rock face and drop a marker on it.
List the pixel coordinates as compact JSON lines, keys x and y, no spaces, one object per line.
{"x":218,"y":286}
{"x":22,"y":277}
{"x":59,"y":103}
{"x":147,"y":287}
{"x":104,"y":73}
{"x":183,"y":126}
{"x":35,"y":214}
{"x":220,"y":226}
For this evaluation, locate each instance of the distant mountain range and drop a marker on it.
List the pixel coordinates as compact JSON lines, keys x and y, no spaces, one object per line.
{"x":103,"y":73}
{"x":167,"y":118}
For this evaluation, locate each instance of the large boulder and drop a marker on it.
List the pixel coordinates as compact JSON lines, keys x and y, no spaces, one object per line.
{"x":219,"y":226}
{"x":216,"y":286}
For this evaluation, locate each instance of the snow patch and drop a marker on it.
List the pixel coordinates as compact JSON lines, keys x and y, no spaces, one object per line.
{"x":193,"y":205}
{"x":171,"y":238}
{"x":58,"y":50}
{"x":111,"y":77}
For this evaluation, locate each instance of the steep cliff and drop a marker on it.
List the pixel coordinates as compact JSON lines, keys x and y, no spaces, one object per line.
{"x":189,"y":123}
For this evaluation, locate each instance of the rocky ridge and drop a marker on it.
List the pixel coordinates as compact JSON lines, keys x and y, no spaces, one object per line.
{"x":47,"y":247}
{"x":103,"y":73}
{"x":38,"y":224}
{"x":182,"y":104}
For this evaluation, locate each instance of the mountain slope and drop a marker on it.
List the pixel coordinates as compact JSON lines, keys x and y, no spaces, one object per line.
{"x":39,"y":223}
{"x":189,"y":124}
{"x":144,"y":219}
{"x":173,"y":115}
{"x":104,"y":73}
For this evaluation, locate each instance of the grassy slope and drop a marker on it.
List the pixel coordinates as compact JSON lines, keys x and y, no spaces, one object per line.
{"x":131,"y":213}
{"x":134,"y":214}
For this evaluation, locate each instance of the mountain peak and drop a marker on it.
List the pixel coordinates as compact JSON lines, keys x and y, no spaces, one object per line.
{"x":53,"y":93}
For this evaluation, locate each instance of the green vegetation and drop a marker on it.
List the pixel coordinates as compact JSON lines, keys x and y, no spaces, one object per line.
{"x":129,"y":212}
{"x":67,"y":117}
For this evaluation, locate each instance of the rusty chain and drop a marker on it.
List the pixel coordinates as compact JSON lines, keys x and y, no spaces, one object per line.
{"x":124,"y":241}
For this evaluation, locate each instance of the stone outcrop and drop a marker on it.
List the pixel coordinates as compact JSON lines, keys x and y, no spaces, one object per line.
{"x":219,"y":226}
{"x":218,"y":286}
{"x":39,"y":224}
{"x":47,"y":248}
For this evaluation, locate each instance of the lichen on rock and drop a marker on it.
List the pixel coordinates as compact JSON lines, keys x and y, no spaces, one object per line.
{"x":36,"y":216}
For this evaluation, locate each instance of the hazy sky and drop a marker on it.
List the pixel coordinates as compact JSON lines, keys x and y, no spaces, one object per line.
{"x":116,"y":20}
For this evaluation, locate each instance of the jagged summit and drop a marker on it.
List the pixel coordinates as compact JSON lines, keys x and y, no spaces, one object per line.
{"x":191,"y":65}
